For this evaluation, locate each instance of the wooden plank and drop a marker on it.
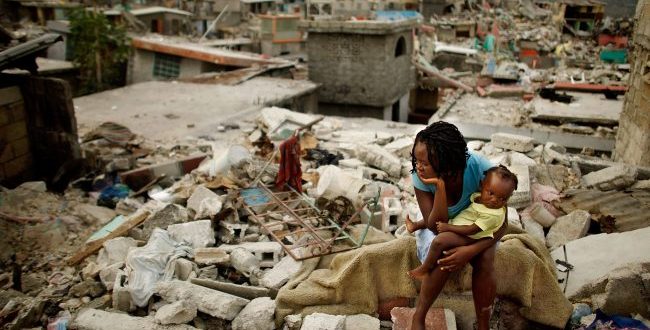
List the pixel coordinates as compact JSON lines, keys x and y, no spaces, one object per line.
{"x":93,"y":246}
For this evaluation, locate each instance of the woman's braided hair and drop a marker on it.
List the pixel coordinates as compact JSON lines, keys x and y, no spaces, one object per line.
{"x":446,"y":147}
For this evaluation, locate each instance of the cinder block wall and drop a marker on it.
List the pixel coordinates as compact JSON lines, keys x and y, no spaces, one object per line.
{"x":633,"y":139}
{"x":360,"y":69}
{"x":15,"y":155}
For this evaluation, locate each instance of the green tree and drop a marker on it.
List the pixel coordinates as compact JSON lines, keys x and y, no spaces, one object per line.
{"x":100,"y":50}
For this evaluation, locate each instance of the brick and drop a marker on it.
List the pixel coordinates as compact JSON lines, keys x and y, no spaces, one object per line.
{"x":18,"y":165}
{"x":16,"y":130}
{"x":20,"y":146}
{"x":437,"y":318}
{"x":10,"y":95}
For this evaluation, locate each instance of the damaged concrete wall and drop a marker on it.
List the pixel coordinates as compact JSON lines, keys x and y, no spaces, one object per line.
{"x":620,"y":8}
{"x":361,"y":69}
{"x":633,"y":139}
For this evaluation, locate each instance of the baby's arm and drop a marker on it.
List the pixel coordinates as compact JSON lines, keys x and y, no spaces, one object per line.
{"x":465,"y":230}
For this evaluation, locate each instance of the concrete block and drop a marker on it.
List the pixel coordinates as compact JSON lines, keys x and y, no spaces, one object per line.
{"x":533,"y":227}
{"x":514,"y":142}
{"x":212,"y":302}
{"x":323,"y":322}
{"x":267,"y":253}
{"x":517,"y":158}
{"x":183,"y":268}
{"x":94,"y":319}
{"x":552,"y":156}
{"x":391,"y":214}
{"x":281,"y":273}
{"x":121,"y":295}
{"x":204,"y":203}
{"x":521,"y":197}
{"x":163,"y":218}
{"x":513,"y":218}
{"x":568,"y":228}
{"x":211,"y":256}
{"x":115,"y":251}
{"x":258,"y":314}
{"x":361,"y":322}
{"x":612,"y":178}
{"x":178,"y":312}
{"x":540,"y":214}
{"x":109,"y":274}
{"x":641,"y":184}
{"x":232,"y":232}
{"x":381,"y":158}
{"x":94,"y":213}
{"x":475,"y":145}
{"x":89,"y":288}
{"x":197,"y":233}
{"x":292,"y":322}
{"x":437,"y":318}
{"x":401,"y":147}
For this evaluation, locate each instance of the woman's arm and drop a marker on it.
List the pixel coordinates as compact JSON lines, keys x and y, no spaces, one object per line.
{"x":458,"y":257}
{"x":433,"y":206}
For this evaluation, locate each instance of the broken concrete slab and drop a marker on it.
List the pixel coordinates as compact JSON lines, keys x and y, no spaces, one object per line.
{"x":596,"y":256}
{"x":244,"y":291}
{"x":520,"y":143}
{"x":323,"y":322}
{"x":401,"y":147}
{"x":89,"y":288}
{"x":232,"y":232}
{"x":623,"y":291}
{"x":258,"y":314}
{"x":612,"y":178}
{"x":568,"y":228}
{"x":211,"y":256}
{"x":381,"y":158}
{"x":197,"y":233}
{"x":517,"y":158}
{"x":551,"y":156}
{"x":437,"y":318}
{"x":281,"y":273}
{"x":641,"y":184}
{"x":178,"y":312}
{"x":99,"y":214}
{"x":361,"y":322}
{"x":93,"y":319}
{"x":212,"y":302}
{"x":540,"y":214}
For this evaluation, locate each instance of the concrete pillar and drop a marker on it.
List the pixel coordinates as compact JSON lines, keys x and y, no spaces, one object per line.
{"x":633,"y":138}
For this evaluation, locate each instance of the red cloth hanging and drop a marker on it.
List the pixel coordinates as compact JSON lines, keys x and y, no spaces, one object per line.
{"x":290,"y":171}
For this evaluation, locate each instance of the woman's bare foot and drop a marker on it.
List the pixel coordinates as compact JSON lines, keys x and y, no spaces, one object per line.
{"x":410,"y":225}
{"x":419,"y":273}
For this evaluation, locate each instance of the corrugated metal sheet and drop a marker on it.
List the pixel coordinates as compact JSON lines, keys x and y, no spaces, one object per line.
{"x":629,"y":210}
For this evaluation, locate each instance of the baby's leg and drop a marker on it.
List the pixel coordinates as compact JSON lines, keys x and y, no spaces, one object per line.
{"x":443,"y":241}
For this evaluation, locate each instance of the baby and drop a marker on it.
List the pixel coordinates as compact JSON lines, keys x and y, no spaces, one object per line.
{"x":481,"y":219}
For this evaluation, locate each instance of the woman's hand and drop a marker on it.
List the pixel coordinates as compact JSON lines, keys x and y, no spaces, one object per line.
{"x":456,"y":258}
{"x":435,"y":181}
{"x":442,"y":227}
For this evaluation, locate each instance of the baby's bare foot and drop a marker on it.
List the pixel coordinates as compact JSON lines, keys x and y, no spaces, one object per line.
{"x":418,"y":273}
{"x":410,"y":225}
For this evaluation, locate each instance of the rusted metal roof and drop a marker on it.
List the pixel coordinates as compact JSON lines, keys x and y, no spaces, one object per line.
{"x":617,"y":211}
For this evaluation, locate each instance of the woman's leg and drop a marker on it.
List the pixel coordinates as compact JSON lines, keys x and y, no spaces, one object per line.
{"x":484,"y":286}
{"x":432,"y":284}
{"x":443,"y":241}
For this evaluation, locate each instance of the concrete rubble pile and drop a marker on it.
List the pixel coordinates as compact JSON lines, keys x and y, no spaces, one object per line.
{"x":185,"y":254}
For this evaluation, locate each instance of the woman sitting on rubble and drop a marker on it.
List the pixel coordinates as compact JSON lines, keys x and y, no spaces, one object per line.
{"x":440,"y":151}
